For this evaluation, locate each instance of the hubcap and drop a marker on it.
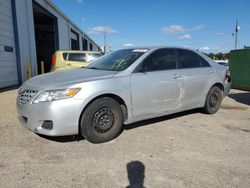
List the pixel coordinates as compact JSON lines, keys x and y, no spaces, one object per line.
{"x":103,"y":120}
{"x":213,"y":100}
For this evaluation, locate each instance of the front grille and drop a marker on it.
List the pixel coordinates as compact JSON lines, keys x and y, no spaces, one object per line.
{"x":25,"y":96}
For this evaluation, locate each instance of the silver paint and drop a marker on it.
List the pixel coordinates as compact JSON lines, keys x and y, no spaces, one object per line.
{"x":146,"y":95}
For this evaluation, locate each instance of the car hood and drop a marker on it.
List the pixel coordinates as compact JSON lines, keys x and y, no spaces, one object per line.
{"x":60,"y":79}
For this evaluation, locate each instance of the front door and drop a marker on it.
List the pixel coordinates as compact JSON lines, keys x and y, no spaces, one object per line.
{"x":156,"y":86}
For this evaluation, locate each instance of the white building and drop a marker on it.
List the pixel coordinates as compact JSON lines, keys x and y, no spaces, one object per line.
{"x":30,"y":32}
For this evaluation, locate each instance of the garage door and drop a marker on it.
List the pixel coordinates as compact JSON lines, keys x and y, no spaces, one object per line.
{"x":8,"y":66}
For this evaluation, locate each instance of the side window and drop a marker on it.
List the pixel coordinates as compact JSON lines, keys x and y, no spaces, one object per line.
{"x":163,"y":59}
{"x":188,"y":59}
{"x":204,"y":63}
{"x":77,"y":57}
{"x":65,"y":56}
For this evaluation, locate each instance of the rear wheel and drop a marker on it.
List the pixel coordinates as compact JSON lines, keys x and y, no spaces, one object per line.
{"x":213,"y":100}
{"x":102,"y":120}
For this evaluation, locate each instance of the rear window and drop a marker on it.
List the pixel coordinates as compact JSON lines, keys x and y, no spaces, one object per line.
{"x":92,"y":57}
{"x":77,"y":57}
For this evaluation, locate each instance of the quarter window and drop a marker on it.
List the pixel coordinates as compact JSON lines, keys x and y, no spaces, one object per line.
{"x":163,"y":59}
{"x":65,"y":56}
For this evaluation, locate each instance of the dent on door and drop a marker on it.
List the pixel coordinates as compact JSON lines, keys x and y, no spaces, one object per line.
{"x":156,"y":92}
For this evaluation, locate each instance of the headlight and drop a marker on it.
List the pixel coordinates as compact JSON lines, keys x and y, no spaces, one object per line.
{"x":54,"y":95}
{"x":19,"y":90}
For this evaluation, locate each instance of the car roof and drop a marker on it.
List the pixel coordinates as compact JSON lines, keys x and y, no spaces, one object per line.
{"x":158,"y":47}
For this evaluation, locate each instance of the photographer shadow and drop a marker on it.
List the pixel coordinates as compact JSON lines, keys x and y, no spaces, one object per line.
{"x":136,"y":174}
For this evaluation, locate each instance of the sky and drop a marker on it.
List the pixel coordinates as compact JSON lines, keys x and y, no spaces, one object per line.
{"x":204,"y":25}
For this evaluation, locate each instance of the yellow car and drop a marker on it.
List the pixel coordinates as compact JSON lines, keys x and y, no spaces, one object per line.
{"x":62,"y":60}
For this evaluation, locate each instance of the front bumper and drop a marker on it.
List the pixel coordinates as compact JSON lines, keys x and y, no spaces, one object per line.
{"x":64,"y":115}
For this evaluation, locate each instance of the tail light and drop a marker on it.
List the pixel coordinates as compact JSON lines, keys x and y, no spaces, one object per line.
{"x":54,"y":59}
{"x":228,"y":75}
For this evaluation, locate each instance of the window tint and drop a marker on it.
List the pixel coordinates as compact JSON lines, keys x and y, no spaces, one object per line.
{"x":92,"y":57}
{"x":65,"y":56}
{"x":203,"y":62}
{"x":163,"y":59}
{"x":188,"y":59}
{"x":118,"y":60}
{"x":77,"y":57}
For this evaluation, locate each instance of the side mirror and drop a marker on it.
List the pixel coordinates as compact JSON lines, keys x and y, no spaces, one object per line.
{"x":141,"y":69}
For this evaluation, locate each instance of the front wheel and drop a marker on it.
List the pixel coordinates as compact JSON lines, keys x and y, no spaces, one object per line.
{"x":102,"y":120}
{"x":213,"y":100}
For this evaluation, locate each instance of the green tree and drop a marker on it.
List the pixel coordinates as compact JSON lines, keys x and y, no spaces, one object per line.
{"x":211,"y":55}
{"x":219,"y":56}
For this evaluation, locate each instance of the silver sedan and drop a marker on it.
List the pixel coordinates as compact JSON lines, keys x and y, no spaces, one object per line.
{"x":122,"y":87}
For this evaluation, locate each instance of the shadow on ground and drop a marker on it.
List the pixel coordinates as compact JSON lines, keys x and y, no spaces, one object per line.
{"x":243,"y":98}
{"x":159,"y":119}
{"x":8,"y":88}
{"x":136,"y":174}
{"x":74,"y":138}
{"x":77,"y":138}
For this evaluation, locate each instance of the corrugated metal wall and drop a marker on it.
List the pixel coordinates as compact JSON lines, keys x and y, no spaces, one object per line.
{"x":8,"y":63}
{"x":26,"y":37}
{"x":239,"y":65}
{"x":13,"y":67}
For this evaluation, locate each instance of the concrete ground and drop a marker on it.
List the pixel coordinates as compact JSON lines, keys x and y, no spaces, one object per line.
{"x":189,"y":149}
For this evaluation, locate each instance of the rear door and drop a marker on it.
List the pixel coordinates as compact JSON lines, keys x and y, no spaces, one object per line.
{"x":156,"y":85}
{"x":196,"y":73}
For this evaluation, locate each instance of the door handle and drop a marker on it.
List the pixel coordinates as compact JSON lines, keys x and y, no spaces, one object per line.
{"x":210,"y":72}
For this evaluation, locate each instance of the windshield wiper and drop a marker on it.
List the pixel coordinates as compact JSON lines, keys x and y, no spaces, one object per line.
{"x":98,"y":69}
{"x":90,"y":68}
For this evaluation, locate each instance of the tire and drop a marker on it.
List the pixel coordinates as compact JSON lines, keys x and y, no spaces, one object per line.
{"x":213,"y":100}
{"x":102,"y":121}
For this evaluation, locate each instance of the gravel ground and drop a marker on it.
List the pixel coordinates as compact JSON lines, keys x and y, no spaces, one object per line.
{"x":188,"y":149}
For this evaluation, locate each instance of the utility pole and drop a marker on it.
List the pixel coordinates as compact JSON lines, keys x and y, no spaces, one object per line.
{"x":237,"y":28}
{"x":105,"y":42}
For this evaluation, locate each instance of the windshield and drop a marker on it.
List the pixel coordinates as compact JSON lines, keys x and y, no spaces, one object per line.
{"x":118,"y":60}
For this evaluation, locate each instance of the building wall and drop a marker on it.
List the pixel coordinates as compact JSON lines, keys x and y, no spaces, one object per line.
{"x":64,"y":27}
{"x":14,"y":65}
{"x":26,"y":37}
{"x":8,"y":66}
{"x":63,"y":24}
